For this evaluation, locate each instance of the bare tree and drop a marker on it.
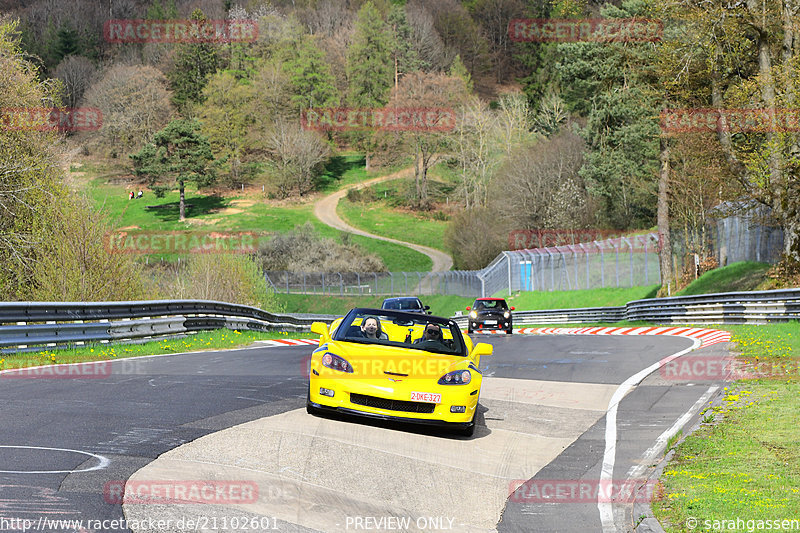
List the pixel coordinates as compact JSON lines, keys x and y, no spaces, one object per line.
{"x":541,"y":187}
{"x":429,"y":144}
{"x":328,"y":17}
{"x":135,"y":104}
{"x":494,"y":16}
{"x":297,"y":155}
{"x":77,"y":73}
{"x":427,"y":42}
{"x":474,"y":147}
{"x":271,"y":87}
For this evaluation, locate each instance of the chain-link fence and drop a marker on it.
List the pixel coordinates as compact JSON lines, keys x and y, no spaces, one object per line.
{"x":737,"y":231}
{"x":620,"y":262}
{"x":462,"y":283}
{"x":749,"y":235}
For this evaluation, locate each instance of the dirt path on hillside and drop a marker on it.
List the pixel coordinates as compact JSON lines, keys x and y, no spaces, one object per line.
{"x":325,"y":211}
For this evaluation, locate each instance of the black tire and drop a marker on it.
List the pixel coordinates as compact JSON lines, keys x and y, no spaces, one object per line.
{"x":509,"y":331}
{"x":469,"y":331}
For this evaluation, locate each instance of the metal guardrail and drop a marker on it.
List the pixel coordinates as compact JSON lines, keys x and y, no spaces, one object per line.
{"x":562,"y":316}
{"x":753,"y":307}
{"x":36,"y":325}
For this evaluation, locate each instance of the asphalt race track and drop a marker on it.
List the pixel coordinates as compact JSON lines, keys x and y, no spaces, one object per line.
{"x":237,"y":418}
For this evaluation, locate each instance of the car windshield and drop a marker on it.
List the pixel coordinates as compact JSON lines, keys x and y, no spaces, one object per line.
{"x":402,"y":329}
{"x":403,"y":304}
{"x":489,"y":305}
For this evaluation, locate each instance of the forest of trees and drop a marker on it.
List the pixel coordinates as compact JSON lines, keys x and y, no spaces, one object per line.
{"x":548,"y":135}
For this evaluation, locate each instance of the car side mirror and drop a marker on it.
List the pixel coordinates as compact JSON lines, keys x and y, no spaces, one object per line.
{"x":482,"y":348}
{"x":427,"y":307}
{"x":321,"y":329}
{"x":512,"y":307}
{"x":468,"y":308}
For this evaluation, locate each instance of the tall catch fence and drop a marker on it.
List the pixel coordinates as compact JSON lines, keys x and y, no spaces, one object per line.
{"x":619,"y":262}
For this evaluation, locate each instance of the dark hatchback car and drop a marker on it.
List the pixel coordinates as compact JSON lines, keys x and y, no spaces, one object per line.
{"x":410,"y":304}
{"x":490,"y":313}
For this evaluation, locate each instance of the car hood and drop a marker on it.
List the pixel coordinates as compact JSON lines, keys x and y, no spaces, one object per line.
{"x":375,"y":360}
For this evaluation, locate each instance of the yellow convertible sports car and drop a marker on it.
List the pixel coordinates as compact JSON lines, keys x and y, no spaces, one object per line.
{"x":396,"y":365}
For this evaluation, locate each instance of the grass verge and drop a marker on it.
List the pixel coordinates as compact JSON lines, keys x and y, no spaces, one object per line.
{"x":742,"y":276}
{"x":447,"y":305}
{"x":744,"y":462}
{"x":204,"y":340}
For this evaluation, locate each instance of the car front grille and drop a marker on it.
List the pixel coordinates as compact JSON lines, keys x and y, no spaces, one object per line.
{"x":391,"y":405}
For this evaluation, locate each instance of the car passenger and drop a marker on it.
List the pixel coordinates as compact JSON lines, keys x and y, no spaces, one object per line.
{"x":371,"y":328}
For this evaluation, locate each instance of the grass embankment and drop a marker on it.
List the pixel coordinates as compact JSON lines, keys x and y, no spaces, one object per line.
{"x":742,"y":276}
{"x":379,"y":211}
{"x":744,"y":461}
{"x":447,"y":305}
{"x":204,"y":340}
{"x":248,"y":211}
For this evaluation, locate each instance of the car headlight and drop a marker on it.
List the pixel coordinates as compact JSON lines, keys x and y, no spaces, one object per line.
{"x":336,"y":363}
{"x":456,"y":377}
{"x":473,"y":314}
{"x":507,"y":314}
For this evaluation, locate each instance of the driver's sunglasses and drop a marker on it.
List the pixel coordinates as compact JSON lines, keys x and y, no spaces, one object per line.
{"x":433,"y":331}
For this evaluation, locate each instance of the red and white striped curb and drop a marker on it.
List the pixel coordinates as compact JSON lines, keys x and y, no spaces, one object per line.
{"x":289,"y":342}
{"x":707,"y":336}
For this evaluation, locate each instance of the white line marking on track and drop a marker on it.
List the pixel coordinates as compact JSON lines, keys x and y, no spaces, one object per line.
{"x":609,"y":456}
{"x":102,"y":461}
{"x":661,"y":442}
